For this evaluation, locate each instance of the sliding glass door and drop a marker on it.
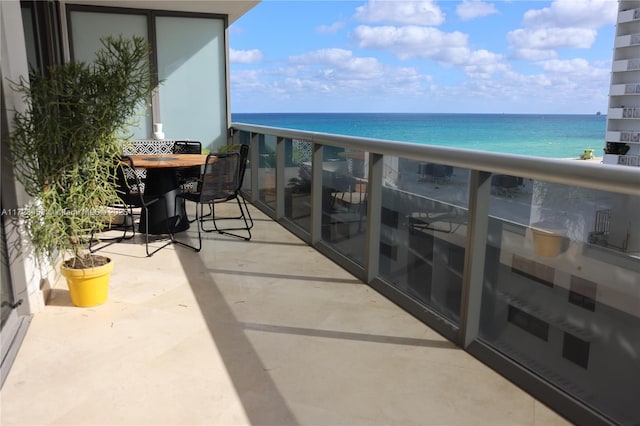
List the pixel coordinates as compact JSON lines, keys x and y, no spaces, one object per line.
{"x":191,"y":63}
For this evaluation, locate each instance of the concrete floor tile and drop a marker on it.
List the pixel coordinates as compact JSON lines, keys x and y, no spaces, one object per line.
{"x":262,"y":332}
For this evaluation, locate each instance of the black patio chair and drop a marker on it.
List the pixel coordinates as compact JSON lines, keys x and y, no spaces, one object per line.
{"x":506,"y":185}
{"x":221,"y":182}
{"x":189,"y":177}
{"x":245,"y":214}
{"x":130,"y":189}
{"x":124,"y":211}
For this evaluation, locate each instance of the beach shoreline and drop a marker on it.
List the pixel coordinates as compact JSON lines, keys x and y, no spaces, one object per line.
{"x":591,"y":160}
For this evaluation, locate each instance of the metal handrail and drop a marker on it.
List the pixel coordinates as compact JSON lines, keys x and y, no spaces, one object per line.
{"x":589,"y":174}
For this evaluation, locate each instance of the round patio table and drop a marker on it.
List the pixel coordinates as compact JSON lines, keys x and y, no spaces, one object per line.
{"x":162,"y":179}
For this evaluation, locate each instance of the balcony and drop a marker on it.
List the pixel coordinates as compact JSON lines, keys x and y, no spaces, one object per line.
{"x":459,"y":239}
{"x":440,"y":264}
{"x":261,"y":332}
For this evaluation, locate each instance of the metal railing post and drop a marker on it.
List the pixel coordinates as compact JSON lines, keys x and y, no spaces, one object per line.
{"x":280,"y":184}
{"x":254,"y":153}
{"x":374,"y":207}
{"x":316,"y":194}
{"x":473,"y":276}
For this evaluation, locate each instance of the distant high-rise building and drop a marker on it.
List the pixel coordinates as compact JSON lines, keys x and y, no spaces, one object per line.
{"x":622,"y":138}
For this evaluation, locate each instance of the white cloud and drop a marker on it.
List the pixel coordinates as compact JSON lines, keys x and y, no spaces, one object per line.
{"x":563,"y":86}
{"x":312,"y":82}
{"x":543,"y":42}
{"x":566,"y":66}
{"x":337,"y":78}
{"x":483,"y":64}
{"x":413,"y":41}
{"x":340,"y":63}
{"x":572,"y":13}
{"x":564,"y":24}
{"x":400,"y":12}
{"x":246,"y":79}
{"x":331,"y":73}
{"x":534,"y":54}
{"x":330,"y":29}
{"x":449,"y":49}
{"x":471,"y":9}
{"x":245,"y":56}
{"x":576,"y":67}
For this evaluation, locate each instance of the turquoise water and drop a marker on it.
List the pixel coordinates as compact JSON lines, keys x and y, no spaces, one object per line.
{"x":556,"y":136}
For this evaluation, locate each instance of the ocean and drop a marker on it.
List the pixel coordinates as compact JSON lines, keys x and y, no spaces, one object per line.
{"x":542,"y":135}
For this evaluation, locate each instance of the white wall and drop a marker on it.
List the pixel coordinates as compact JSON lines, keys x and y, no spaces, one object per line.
{"x":26,"y":277}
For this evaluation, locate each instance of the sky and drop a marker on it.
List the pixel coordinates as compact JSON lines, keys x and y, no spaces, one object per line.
{"x":471,"y":56}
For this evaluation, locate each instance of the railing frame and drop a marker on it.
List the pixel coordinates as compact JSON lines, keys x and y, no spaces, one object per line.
{"x":479,"y":192}
{"x":619,"y":179}
{"x":588,"y":174}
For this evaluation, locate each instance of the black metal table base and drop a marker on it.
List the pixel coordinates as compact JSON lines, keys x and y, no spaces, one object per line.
{"x":164,"y":217}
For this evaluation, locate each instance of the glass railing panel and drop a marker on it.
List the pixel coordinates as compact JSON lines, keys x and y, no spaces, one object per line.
{"x":267,"y":170}
{"x":561,"y":290}
{"x":511,"y":198}
{"x":297,"y":195}
{"x":424,"y":231}
{"x":344,"y":201}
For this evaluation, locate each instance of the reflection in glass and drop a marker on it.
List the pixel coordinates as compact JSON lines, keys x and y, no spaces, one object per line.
{"x":267,"y":170}
{"x":423,"y":231}
{"x":297,"y":198}
{"x":344,"y":201}
{"x":562,"y":290}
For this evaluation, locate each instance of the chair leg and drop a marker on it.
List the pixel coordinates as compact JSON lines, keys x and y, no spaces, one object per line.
{"x":201,"y":216}
{"x":249,"y":223}
{"x":213,"y":219}
{"x":245,"y":215}
{"x":197,"y":220}
{"x":146,"y":233}
{"x":114,"y":240}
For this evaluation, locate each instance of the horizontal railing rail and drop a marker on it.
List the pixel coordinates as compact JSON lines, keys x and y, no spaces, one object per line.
{"x":588,"y":174}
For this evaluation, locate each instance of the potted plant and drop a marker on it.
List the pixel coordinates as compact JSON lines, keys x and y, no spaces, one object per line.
{"x":65,"y":147}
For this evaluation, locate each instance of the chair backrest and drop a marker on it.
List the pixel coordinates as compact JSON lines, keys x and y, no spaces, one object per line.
{"x":148,"y":146}
{"x":187,"y":147}
{"x":130,"y":186}
{"x":221,"y":178}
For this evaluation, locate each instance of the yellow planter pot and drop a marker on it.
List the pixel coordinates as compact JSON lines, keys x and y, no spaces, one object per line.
{"x":90,"y":286}
{"x":548,"y":243}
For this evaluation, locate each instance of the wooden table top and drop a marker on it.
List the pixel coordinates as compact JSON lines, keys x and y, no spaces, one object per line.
{"x":159,"y":161}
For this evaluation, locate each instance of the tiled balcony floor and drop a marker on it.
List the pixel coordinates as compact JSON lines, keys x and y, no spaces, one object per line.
{"x":266,"y":332}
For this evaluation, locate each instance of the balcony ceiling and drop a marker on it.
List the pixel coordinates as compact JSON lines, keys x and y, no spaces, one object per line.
{"x":232,"y":8}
